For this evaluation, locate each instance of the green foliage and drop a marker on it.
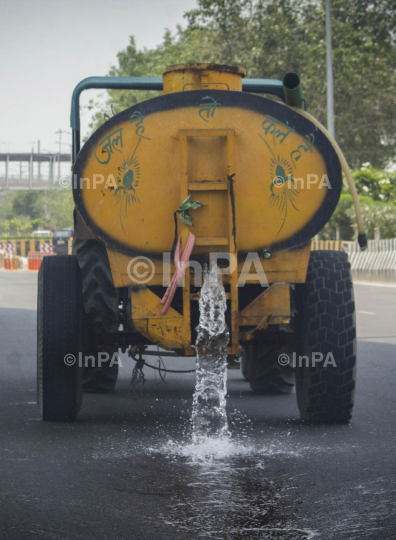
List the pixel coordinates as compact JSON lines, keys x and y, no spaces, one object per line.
{"x":378,"y":184}
{"x":20,"y":227}
{"x":378,"y":215}
{"x":186,"y":46}
{"x":377,"y":195}
{"x":343,"y":219}
{"x":270,"y":38}
{"x":24,"y":211}
{"x":16,"y":225}
{"x":55,"y":207}
{"x":25,"y":204}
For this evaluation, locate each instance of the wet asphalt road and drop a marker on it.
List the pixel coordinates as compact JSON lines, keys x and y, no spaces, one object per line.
{"x":125,"y":469}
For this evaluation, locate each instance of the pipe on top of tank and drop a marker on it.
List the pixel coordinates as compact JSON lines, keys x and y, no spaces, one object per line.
{"x":293,"y":90}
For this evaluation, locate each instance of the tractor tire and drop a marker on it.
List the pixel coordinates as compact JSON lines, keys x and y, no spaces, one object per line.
{"x":101,"y":301}
{"x":325,"y":389}
{"x":59,"y":323}
{"x":263,"y":371}
{"x":101,"y":380}
{"x":100,"y":297}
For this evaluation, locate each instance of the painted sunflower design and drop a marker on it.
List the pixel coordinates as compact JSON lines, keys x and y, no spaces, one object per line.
{"x":283,"y":187}
{"x":127,"y":182}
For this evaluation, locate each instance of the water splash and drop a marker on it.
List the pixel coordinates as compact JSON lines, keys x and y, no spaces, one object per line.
{"x":209,"y":416}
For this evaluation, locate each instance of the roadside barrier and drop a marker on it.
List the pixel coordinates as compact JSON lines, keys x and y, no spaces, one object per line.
{"x":380,"y":256}
{"x":35,"y":259}
{"x":22,"y":246}
{"x":8,"y":248}
{"x":11,"y":263}
{"x":46,"y":248}
{"x":327,"y":244}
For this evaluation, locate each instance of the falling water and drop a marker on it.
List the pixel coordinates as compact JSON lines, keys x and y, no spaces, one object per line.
{"x":209,"y":417}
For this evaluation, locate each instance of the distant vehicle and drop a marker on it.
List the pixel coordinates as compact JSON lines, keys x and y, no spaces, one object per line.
{"x":61,"y":239}
{"x":43,"y":233}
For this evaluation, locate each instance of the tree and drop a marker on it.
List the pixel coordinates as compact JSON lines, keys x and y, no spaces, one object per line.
{"x":379,"y":215}
{"x":270,"y":38}
{"x":377,"y":184}
{"x":344,"y":218}
{"x":25,"y":210}
{"x":25,"y":204}
{"x":376,"y":214}
{"x":186,"y":46}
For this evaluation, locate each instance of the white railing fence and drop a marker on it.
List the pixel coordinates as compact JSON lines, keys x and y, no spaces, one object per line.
{"x":380,"y":255}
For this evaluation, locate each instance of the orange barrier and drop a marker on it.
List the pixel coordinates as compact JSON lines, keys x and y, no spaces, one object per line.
{"x":35,"y":258}
{"x":11,"y":263}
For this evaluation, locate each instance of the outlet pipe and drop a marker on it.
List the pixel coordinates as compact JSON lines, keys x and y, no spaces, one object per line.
{"x":293,"y":90}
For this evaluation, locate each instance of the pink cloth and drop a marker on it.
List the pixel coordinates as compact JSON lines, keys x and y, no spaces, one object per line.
{"x":181,"y":263}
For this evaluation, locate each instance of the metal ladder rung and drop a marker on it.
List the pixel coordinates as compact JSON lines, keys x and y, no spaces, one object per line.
{"x":208,"y":186}
{"x":212,"y":241}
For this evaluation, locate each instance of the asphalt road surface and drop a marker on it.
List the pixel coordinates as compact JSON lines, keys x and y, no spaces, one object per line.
{"x":126,"y":469}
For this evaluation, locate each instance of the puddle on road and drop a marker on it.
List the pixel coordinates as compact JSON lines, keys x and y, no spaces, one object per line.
{"x":233,"y":498}
{"x":218,"y":489}
{"x":229,"y":488}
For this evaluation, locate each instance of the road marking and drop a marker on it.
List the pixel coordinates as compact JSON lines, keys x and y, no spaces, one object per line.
{"x":375,"y":284}
{"x":376,"y":337}
{"x":23,"y":403}
{"x":366,"y":312}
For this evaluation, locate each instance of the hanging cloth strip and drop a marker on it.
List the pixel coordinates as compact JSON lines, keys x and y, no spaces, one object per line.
{"x":181,"y":263}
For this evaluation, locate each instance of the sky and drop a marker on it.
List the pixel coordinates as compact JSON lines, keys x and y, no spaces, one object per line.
{"x":48,"y":46}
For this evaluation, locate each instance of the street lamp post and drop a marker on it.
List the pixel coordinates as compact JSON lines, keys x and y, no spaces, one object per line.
{"x":329,"y":64}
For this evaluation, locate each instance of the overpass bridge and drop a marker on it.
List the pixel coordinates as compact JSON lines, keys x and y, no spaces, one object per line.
{"x":33,"y":170}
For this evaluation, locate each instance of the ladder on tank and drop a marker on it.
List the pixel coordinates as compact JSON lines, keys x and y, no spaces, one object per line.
{"x":189,"y":186}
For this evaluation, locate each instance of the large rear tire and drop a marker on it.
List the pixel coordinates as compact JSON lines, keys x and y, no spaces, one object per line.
{"x":59,"y":316}
{"x":325,"y":389}
{"x":244,"y":363}
{"x":263,"y":371}
{"x":101,"y":380}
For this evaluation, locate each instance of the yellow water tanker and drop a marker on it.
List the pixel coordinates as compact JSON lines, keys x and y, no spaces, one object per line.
{"x":208,"y":170}
{"x":198,"y":139}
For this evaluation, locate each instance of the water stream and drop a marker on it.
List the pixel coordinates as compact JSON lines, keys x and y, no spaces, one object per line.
{"x":209,"y":416}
